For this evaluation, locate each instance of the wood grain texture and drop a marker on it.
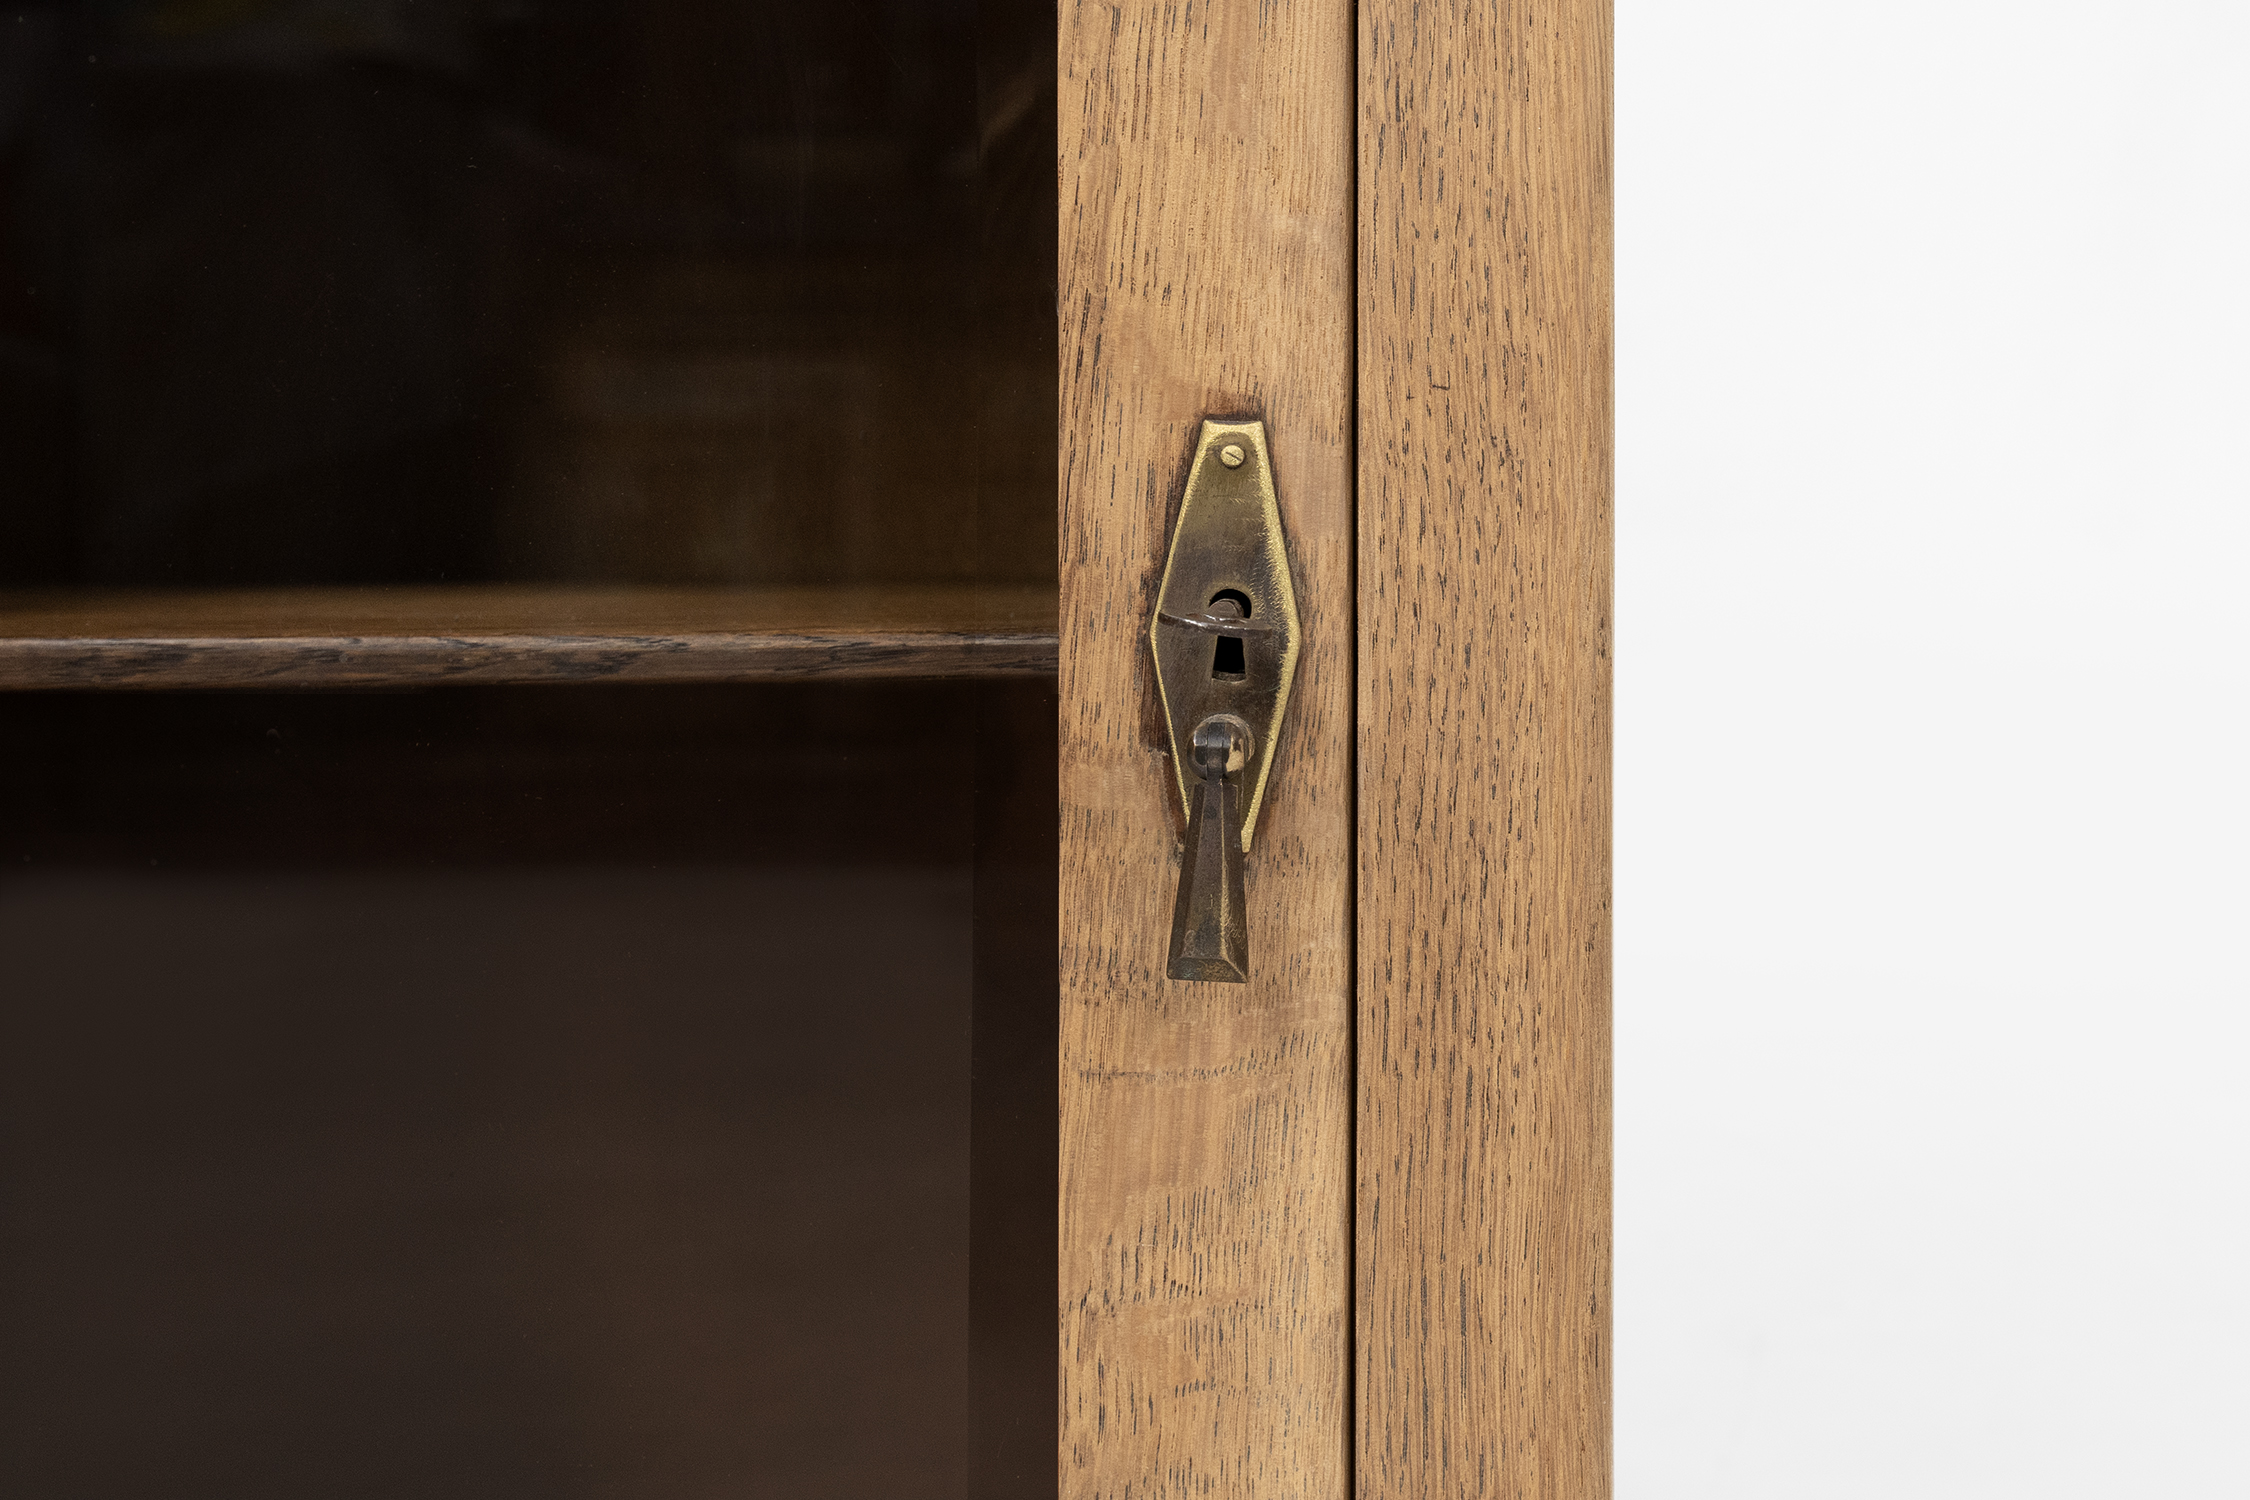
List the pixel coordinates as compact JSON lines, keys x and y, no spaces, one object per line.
{"x":1204,"y":1259}
{"x":363,"y":637}
{"x":1484,"y":640}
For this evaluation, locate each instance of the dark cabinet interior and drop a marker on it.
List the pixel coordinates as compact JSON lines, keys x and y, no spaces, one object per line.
{"x":572,"y":1089}
{"x":374,"y":292}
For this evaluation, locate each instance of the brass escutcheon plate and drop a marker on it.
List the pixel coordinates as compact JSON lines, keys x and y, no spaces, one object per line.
{"x":1228,"y":555}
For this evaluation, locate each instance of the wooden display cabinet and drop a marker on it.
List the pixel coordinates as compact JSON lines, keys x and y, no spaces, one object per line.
{"x":590,"y":839}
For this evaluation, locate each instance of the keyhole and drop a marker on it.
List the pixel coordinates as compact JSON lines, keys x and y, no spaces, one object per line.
{"x":1227,"y":662}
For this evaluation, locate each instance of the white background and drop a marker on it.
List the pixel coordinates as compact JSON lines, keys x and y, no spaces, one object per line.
{"x":1933,"y":987}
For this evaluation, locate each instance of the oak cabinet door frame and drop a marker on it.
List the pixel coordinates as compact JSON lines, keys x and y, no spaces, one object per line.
{"x":1344,"y":1229}
{"x":1205,"y":1255}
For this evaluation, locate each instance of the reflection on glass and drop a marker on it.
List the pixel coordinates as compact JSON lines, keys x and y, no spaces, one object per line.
{"x":371,"y":290}
{"x":552,"y":1091}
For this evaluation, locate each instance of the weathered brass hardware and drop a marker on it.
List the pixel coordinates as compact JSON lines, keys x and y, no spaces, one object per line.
{"x":1225,"y":638}
{"x":1210,"y":939}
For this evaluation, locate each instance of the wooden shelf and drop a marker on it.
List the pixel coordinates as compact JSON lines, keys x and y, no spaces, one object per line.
{"x":370,"y":637}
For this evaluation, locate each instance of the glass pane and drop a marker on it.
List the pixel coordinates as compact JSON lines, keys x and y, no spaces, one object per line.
{"x":582,"y":1090}
{"x":671,"y":290}
{"x":513,"y":1091}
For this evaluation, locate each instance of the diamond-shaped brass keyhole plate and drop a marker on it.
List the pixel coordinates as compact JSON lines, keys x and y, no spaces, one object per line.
{"x":1225,"y":634}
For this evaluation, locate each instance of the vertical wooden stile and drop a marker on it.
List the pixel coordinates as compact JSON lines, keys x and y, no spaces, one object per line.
{"x":1205,"y":1239}
{"x":1482,"y":1208}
